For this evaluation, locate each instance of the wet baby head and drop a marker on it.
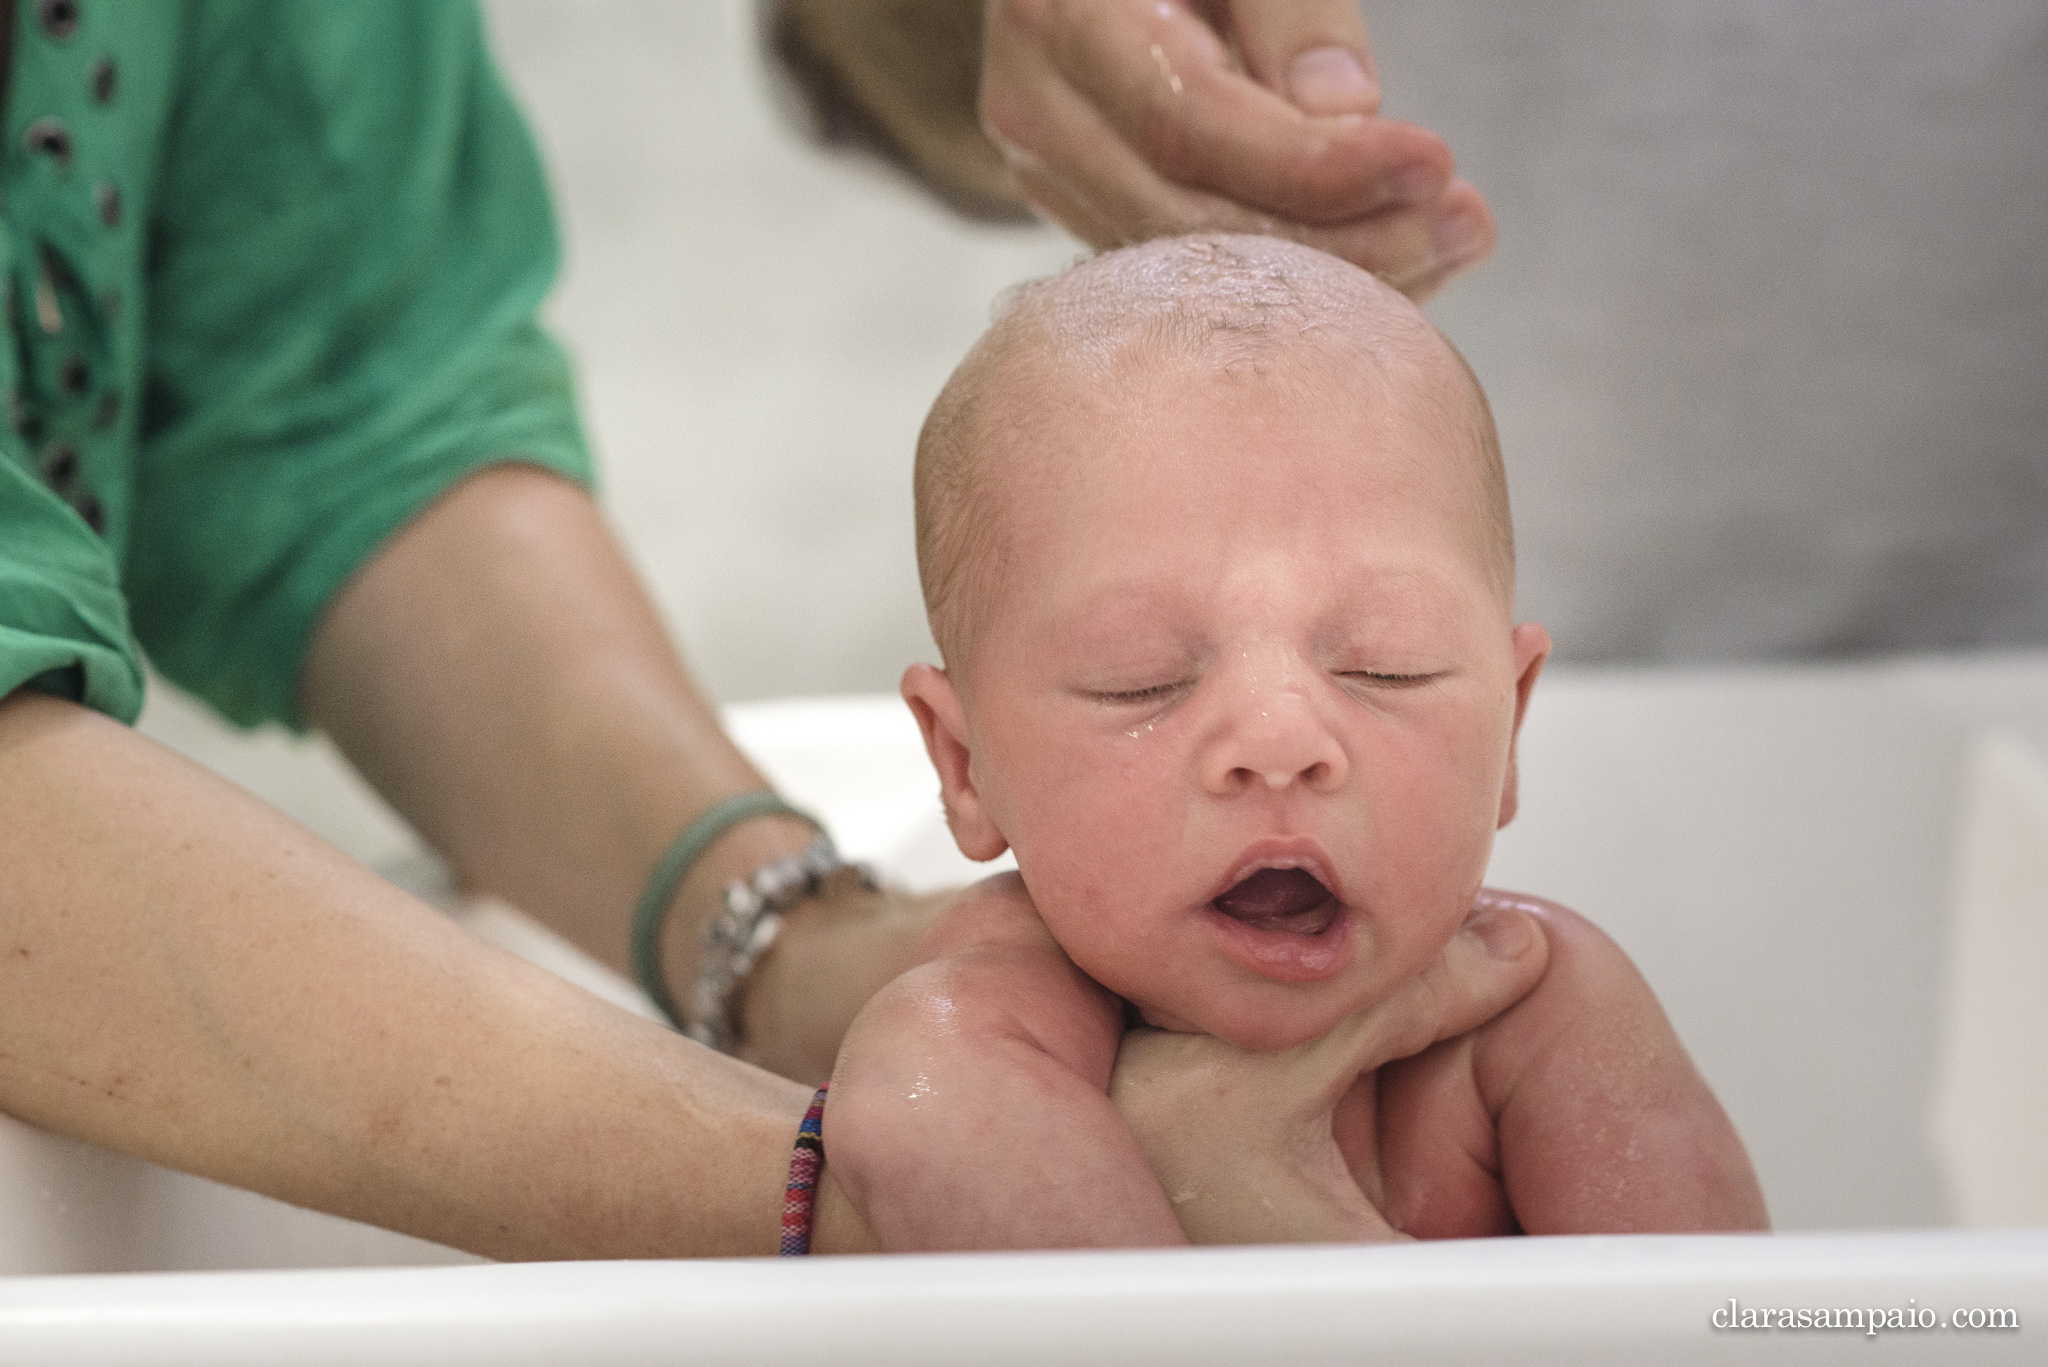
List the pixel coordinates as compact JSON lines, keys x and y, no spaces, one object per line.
{"x":1214,"y":541}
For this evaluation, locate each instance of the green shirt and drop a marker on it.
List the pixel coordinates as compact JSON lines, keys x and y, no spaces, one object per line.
{"x":271,"y":269}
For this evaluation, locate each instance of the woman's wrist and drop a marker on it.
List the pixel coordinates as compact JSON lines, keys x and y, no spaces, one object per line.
{"x":834,"y":950}
{"x":739,"y":850}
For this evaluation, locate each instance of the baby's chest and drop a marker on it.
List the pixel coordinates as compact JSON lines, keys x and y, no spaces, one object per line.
{"x":1422,"y":1147}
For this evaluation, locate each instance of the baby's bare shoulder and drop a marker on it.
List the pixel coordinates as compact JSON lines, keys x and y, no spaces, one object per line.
{"x":1440,"y":1124}
{"x":995,"y":912}
{"x":1603,"y":1122}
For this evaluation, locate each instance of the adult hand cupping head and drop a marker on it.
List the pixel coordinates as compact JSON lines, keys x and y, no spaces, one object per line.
{"x":1131,"y":119}
{"x":1244,"y":1143}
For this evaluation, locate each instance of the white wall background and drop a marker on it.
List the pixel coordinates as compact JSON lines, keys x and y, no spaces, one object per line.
{"x":759,"y":330}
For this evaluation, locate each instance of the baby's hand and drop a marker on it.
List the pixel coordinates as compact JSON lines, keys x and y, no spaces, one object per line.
{"x":1243,"y":1143}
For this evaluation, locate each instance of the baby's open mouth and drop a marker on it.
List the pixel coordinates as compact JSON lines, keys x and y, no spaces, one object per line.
{"x":1293,"y":900}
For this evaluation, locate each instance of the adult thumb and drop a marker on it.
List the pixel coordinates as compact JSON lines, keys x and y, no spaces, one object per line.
{"x":1493,"y":961}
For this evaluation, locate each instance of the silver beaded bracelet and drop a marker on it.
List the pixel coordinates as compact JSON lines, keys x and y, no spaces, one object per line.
{"x":738,"y":936}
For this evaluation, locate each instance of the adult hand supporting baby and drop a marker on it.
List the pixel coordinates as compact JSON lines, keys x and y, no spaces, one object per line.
{"x":1262,"y":1165}
{"x":1131,"y":119}
{"x":835,"y":950}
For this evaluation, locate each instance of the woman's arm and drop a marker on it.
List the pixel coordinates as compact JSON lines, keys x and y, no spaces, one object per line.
{"x":499,"y":674}
{"x":188,"y":976}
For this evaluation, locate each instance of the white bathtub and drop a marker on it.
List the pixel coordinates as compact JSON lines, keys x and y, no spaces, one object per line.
{"x":1837,"y":878}
{"x":1534,"y":1301}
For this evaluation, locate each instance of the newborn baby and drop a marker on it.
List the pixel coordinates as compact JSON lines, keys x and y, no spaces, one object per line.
{"x":1214,"y":540}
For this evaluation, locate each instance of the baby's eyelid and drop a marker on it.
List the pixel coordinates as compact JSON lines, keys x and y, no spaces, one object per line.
{"x":1391,"y":680}
{"x":1156,"y":693}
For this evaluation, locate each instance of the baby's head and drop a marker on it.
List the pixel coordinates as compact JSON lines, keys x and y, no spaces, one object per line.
{"x":1215,"y":544}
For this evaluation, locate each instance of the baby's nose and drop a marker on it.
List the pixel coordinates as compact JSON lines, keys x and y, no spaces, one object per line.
{"x":1271,"y":741}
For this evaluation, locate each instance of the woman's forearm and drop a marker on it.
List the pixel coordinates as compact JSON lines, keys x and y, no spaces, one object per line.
{"x":501,"y":677}
{"x":498,"y":673}
{"x":187,"y":976}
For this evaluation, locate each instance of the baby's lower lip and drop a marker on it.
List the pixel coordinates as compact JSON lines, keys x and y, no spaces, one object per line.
{"x":1273,"y":950}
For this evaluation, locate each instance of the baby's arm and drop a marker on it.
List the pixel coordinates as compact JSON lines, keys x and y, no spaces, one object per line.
{"x":969,"y":1105}
{"x":1577,"y":1111}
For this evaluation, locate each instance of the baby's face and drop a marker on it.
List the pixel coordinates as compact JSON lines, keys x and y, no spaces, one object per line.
{"x":1243,"y":698}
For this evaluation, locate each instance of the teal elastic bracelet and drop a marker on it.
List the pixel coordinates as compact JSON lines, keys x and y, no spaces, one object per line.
{"x":652,"y":913}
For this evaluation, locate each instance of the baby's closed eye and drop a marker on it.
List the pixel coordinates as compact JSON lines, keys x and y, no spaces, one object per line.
{"x":1385,"y":679}
{"x":1134,"y":697}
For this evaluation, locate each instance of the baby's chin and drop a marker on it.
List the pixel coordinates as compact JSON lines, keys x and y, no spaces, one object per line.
{"x":1264,"y":1017}
{"x":1235,"y":1003}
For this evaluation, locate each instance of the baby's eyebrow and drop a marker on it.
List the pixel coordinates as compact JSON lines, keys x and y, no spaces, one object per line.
{"x":1135,"y":614}
{"x":1122,"y":623}
{"x":1404,"y":603}
{"x":1132,"y":595}
{"x":1403,"y":580}
{"x":1122,"y":632}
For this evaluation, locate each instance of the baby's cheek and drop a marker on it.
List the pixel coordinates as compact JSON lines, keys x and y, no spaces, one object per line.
{"x":1099,"y":854}
{"x":1115,"y":800}
{"x":1443,"y":794}
{"x":1429,"y":838}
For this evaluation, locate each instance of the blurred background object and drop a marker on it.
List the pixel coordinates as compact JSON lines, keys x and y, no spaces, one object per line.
{"x":1766,"y":332}
{"x":1767,"y":329}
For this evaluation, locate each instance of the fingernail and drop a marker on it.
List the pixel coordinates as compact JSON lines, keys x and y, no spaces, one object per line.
{"x":1330,"y":80}
{"x":1411,"y":185}
{"x":1457,"y":238}
{"x":1506,"y":934}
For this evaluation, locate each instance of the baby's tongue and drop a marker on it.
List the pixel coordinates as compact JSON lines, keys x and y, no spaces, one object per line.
{"x":1281,"y":899}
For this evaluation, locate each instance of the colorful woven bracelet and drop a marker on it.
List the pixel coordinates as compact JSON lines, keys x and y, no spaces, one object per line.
{"x":806,"y":1166}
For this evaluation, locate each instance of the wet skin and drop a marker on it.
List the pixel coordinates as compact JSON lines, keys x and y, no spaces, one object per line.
{"x":1241,"y":631}
{"x":1241,"y":692}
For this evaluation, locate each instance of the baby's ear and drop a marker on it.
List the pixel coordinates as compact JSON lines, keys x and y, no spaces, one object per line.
{"x":1532,"y":648}
{"x":936,"y":705}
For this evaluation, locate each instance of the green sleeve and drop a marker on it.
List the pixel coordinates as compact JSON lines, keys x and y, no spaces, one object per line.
{"x":351,"y":236}
{"x":63,"y":625}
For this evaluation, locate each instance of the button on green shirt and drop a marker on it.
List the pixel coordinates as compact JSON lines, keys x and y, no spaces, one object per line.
{"x":270,"y":275}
